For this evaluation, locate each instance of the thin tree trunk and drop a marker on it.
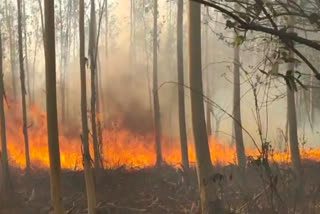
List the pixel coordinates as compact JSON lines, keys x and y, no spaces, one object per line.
{"x":42,"y":22}
{"x":241,"y":156}
{"x":156,"y":103}
{"x":11,"y":34}
{"x":25,"y":33}
{"x":99,"y":115}
{"x":132,"y":34}
{"x":23,"y":90}
{"x":147,"y":55}
{"x":51,"y":103}
{"x":32,"y":90}
{"x":99,"y":97}
{"x":61,"y":65}
{"x":209,"y":201}
{"x":6,"y":186}
{"x":292,"y":115}
{"x":92,"y":55}
{"x":312,"y":109}
{"x":66,"y":60}
{"x":182,"y":110}
{"x":208,"y":94}
{"x":292,"y":125}
{"x":88,"y":170}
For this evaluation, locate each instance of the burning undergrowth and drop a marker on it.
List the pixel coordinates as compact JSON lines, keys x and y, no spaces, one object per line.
{"x":128,"y":138}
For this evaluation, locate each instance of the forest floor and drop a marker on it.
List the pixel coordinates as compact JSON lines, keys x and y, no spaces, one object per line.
{"x":260,"y":189}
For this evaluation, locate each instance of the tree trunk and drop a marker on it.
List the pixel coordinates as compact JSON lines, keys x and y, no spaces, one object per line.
{"x":209,"y":201}
{"x":42,"y":22}
{"x":156,"y":103}
{"x":241,"y":156}
{"x":11,"y":34}
{"x":25,"y":42}
{"x":66,"y":59}
{"x":92,"y":55}
{"x":292,"y":115}
{"x":23,"y":89}
{"x":6,"y":186}
{"x":88,"y":171}
{"x":292,"y":121}
{"x":99,"y":116}
{"x":208,"y":94}
{"x":182,"y":110}
{"x":51,"y":103}
{"x":132,"y":35}
{"x":61,"y":67}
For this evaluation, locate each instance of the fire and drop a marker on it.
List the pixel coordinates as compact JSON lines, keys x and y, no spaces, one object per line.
{"x":120,"y":147}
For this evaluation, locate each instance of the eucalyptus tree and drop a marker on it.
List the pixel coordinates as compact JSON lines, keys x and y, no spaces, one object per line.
{"x":207,"y":83}
{"x":156,"y":102}
{"x":51,"y":104}
{"x":93,"y":67}
{"x":237,"y":124}
{"x":291,"y":109}
{"x":88,"y":170}
{"x":210,"y":202}
{"x":26,"y":51}
{"x":6,"y":185}
{"x":181,"y":94}
{"x":23,"y":88}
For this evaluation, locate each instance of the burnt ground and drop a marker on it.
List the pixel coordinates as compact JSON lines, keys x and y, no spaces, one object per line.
{"x":260,"y":189}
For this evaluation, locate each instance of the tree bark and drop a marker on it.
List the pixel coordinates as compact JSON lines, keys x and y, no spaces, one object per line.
{"x":25,"y":43}
{"x":61,"y":67}
{"x":99,"y":165}
{"x":23,"y":89}
{"x":292,"y":115}
{"x":132,"y":34}
{"x":93,"y":63}
{"x":241,"y":156}
{"x":156,"y":103}
{"x":51,"y":103}
{"x":42,"y":22}
{"x":207,"y":84}
{"x":6,"y":185}
{"x":208,"y":196}
{"x":66,"y":59}
{"x":88,"y":170}
{"x":182,"y":110}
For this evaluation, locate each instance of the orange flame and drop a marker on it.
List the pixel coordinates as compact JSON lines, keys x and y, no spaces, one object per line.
{"x":120,"y":147}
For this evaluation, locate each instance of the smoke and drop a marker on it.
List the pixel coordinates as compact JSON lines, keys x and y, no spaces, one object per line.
{"x":126,"y":84}
{"x":126,"y":99}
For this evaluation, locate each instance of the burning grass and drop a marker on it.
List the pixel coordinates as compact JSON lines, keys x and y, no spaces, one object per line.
{"x":130,"y":184}
{"x":121,"y":145}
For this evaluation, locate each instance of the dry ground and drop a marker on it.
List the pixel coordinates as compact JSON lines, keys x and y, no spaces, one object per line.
{"x":260,"y":189}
